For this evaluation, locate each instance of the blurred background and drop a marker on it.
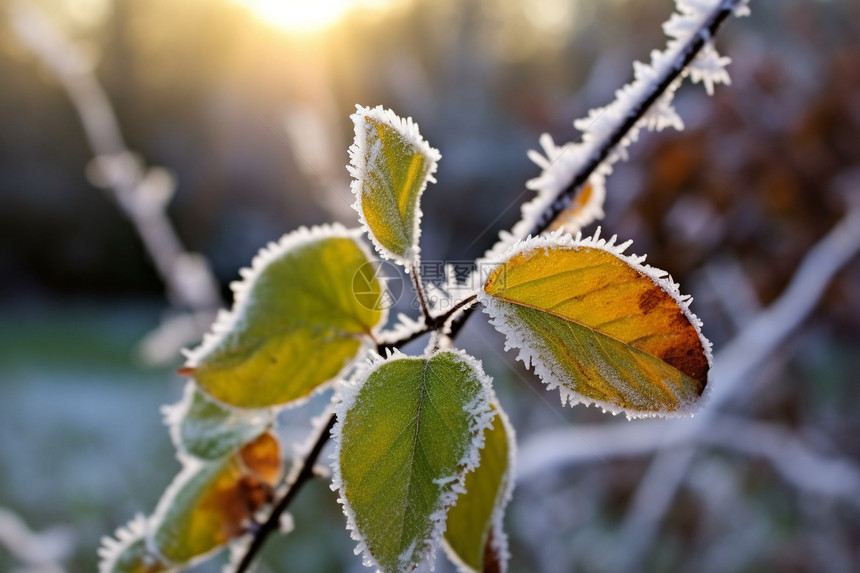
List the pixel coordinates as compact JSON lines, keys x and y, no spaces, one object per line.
{"x":234,"y":123}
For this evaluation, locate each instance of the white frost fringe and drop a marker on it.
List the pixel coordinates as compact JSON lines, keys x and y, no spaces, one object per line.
{"x":112,"y":548}
{"x":543,"y":365}
{"x":561,"y":162}
{"x":358,"y":169}
{"x":174,"y":415}
{"x":481,"y":418}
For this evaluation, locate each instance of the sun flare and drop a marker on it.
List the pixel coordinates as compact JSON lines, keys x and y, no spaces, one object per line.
{"x":307,"y":16}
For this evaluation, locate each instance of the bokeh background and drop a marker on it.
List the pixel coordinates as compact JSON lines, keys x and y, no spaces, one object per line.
{"x":236,"y":116}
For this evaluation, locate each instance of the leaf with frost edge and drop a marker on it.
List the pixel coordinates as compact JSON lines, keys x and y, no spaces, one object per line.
{"x":256,"y":421}
{"x":482,"y":419}
{"x":124,"y":537}
{"x":190,"y":468}
{"x":523,"y":341}
{"x":227,"y":320}
{"x":358,"y":169}
{"x":500,"y":538}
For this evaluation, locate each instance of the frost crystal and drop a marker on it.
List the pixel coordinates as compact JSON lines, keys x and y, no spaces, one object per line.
{"x":130,"y":544}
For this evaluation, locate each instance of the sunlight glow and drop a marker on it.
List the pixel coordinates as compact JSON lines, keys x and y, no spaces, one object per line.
{"x":308,"y":16}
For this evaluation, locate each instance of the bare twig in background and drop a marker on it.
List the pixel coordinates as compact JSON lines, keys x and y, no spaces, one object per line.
{"x":37,"y":552}
{"x":142,"y":195}
{"x":734,"y":291}
{"x":803,"y":468}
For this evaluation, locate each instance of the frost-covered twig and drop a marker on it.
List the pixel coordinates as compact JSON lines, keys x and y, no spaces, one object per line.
{"x":142,"y":195}
{"x":645,"y":103}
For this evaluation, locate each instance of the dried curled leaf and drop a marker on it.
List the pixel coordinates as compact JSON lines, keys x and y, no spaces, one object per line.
{"x":599,"y":325}
{"x":407,"y":434}
{"x":474,"y":537}
{"x":585,"y":208}
{"x":296,"y":321}
{"x":209,"y":504}
{"x":391,"y":165}
{"x":206,"y":429}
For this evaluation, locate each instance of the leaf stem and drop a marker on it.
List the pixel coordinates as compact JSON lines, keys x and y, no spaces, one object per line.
{"x":419,"y":291}
{"x":686,"y":54}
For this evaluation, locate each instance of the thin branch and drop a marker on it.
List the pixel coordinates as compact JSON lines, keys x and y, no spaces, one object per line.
{"x":273,"y":523}
{"x":418,"y":284}
{"x":469,"y":301}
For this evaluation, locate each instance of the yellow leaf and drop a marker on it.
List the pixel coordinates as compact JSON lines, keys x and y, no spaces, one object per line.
{"x":474,"y":537}
{"x":599,"y":325}
{"x":296,"y":321}
{"x":392,"y":165}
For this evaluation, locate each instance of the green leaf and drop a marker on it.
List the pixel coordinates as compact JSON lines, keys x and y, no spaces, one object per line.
{"x":391,"y":165}
{"x":599,"y":325}
{"x":209,"y":503}
{"x":407,"y":434}
{"x":127,"y":552}
{"x":296,"y":322}
{"x":474,"y":537}
{"x":206,"y":429}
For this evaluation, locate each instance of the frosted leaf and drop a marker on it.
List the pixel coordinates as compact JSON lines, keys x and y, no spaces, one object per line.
{"x":391,"y":165}
{"x":475,"y":539}
{"x":129,"y":551}
{"x":600,"y":326}
{"x":210,"y":503}
{"x":437,"y":407}
{"x":306,"y":308}
{"x":204,"y":428}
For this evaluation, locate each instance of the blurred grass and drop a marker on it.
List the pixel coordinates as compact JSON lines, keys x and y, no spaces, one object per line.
{"x":81,"y":439}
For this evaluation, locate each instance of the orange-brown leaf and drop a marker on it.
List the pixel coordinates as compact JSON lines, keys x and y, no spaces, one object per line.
{"x":600,"y":325}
